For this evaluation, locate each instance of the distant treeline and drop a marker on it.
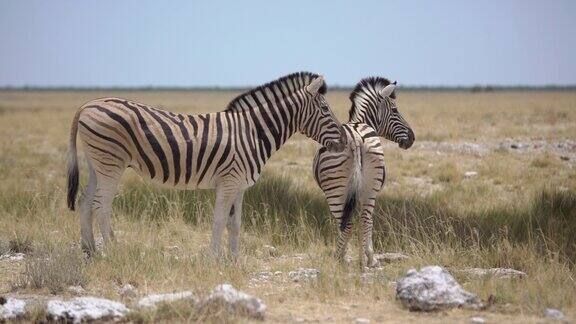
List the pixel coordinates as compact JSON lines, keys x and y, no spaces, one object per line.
{"x":476,"y":88}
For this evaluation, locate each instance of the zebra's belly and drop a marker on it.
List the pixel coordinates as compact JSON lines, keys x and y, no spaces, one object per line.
{"x":192,"y":184}
{"x":206,"y":183}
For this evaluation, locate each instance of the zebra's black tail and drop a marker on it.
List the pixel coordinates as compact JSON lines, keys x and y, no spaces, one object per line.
{"x":349,"y":207}
{"x":73,"y":173}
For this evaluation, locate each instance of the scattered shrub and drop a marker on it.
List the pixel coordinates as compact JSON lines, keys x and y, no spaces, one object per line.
{"x":448,"y":172}
{"x":20,"y":244}
{"x":54,"y":268}
{"x":4,"y":246}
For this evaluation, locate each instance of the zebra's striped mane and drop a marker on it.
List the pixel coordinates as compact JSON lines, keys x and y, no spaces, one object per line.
{"x":367,"y":87}
{"x":299,"y":77}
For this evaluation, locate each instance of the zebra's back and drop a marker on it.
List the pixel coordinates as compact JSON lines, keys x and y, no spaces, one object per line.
{"x":184,"y":151}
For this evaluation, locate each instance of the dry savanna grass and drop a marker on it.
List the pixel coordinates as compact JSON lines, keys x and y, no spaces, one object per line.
{"x":518,"y":211}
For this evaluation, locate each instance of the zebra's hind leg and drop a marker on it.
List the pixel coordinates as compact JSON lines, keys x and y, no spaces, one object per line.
{"x":366,"y":220}
{"x":225,"y":196}
{"x":86,"y":217}
{"x":234,"y":223}
{"x":342,"y":241}
{"x":107,"y":185}
{"x":343,"y":213}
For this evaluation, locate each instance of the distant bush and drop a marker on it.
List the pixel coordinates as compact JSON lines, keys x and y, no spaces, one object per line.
{"x":548,"y":224}
{"x":288,"y":213}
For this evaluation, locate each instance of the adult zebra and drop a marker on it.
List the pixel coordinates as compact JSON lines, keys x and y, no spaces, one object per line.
{"x":225,"y":150}
{"x":357,"y":173}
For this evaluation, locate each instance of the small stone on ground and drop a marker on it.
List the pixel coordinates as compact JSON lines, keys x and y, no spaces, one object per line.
{"x":302,"y":274}
{"x":153,"y":300}
{"x":235,"y":302}
{"x":272,"y":251}
{"x":128,"y":290}
{"x":500,"y":273}
{"x":554,"y":314}
{"x":433,"y":288}
{"x":11,"y":308}
{"x":390,"y":257}
{"x":12,"y":257}
{"x":76,"y":290}
{"x":83,"y":309}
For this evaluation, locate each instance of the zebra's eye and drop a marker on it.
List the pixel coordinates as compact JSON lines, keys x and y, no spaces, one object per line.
{"x":324,"y":108}
{"x":394,"y":110}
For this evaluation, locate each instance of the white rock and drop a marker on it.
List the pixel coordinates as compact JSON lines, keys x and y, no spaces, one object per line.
{"x":500,"y":273}
{"x":236,"y":302}
{"x":264,"y":277}
{"x":270,"y":249}
{"x":11,"y":308}
{"x":302,"y":274}
{"x":433,"y":288}
{"x":267,"y":251}
{"x":390,"y":257}
{"x":296,"y":256}
{"x":12,"y":257}
{"x":477,"y":320}
{"x":76,"y":290}
{"x":554,"y":314}
{"x":361,"y":320}
{"x":153,"y":300}
{"x":470,"y":174}
{"x":82,"y":309}
{"x":128,"y":290}
{"x":99,"y":243}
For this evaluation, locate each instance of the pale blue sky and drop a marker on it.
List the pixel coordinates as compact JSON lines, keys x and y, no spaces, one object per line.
{"x":240,"y":43}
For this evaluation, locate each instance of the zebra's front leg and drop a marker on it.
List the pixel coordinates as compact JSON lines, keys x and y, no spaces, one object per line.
{"x":225,"y":197}
{"x":234,"y":223}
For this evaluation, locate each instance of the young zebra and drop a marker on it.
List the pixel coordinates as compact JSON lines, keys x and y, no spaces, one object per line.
{"x":357,"y":173}
{"x":225,"y":150}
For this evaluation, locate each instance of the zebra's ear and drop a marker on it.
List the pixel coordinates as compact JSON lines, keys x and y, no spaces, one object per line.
{"x":387,"y":91}
{"x":315,"y":85}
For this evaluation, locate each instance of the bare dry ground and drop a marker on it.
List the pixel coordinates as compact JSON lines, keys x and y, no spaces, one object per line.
{"x":517,"y":211}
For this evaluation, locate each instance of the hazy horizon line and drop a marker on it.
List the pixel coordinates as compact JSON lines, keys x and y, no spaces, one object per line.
{"x":476,"y":87}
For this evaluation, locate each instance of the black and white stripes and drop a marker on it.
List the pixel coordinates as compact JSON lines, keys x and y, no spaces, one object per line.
{"x":225,"y":150}
{"x":355,"y":176}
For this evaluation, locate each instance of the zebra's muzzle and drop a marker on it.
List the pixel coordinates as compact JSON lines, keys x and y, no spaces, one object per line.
{"x":407,"y":143}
